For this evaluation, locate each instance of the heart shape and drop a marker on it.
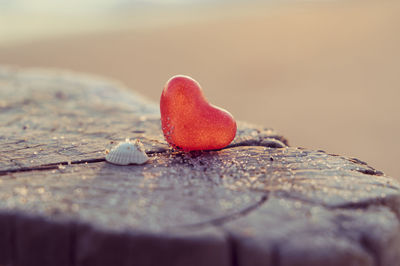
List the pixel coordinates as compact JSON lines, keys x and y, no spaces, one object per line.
{"x":189,"y":122}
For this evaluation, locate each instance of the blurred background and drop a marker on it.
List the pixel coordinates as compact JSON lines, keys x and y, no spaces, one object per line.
{"x":326,"y":74}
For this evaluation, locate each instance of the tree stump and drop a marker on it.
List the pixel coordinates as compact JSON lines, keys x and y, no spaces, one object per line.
{"x":256,"y":202}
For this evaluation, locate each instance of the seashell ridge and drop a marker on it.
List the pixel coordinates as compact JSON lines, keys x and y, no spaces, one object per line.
{"x":127,"y":152}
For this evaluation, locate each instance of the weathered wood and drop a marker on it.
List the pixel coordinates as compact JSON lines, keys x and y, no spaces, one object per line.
{"x":52,"y":118}
{"x":256,"y":202}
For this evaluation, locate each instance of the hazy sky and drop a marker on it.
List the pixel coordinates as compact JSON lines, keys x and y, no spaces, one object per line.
{"x":95,"y":6}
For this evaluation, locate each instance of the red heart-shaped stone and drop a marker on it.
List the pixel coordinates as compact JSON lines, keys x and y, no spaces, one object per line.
{"x":189,"y":122}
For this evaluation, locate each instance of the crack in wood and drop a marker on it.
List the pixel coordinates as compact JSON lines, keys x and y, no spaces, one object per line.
{"x":370,"y":171}
{"x":233,"y":249}
{"x":53,"y":166}
{"x":230,"y":217}
{"x":24,"y":148}
{"x":384,"y":202}
{"x":364,"y":243}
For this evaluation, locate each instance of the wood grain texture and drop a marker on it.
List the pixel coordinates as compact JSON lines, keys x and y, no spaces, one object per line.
{"x":255,"y":202}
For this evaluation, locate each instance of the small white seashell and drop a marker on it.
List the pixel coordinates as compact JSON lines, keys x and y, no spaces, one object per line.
{"x":127,"y":152}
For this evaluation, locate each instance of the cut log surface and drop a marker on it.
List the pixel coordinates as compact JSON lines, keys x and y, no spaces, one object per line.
{"x":255,"y":202}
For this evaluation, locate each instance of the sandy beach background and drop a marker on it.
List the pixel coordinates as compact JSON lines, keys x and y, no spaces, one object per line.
{"x":326,"y":74}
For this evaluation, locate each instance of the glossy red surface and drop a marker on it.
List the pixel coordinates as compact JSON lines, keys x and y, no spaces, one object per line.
{"x":189,"y":122}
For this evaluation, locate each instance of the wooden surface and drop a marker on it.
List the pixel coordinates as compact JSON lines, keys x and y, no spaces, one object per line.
{"x":256,"y":202}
